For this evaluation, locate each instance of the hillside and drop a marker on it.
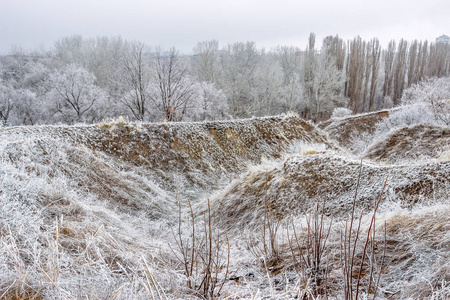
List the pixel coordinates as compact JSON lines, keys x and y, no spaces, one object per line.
{"x":419,"y":142}
{"x":134,"y":164}
{"x":345,"y":130}
{"x":293,"y":186}
{"x":120,"y":210}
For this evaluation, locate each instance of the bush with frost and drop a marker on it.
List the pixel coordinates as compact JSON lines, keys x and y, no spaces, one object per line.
{"x":426,"y":102}
{"x":341,"y":112}
{"x":434,"y":93}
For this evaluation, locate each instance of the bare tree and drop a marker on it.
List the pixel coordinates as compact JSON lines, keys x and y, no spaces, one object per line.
{"x":173,"y":88}
{"x":239,"y":62}
{"x":374,"y":54}
{"x":135,"y":81}
{"x":72,"y":95}
{"x":399,"y":71}
{"x":206,"y":60}
{"x":389,"y":56}
{"x":356,"y":74}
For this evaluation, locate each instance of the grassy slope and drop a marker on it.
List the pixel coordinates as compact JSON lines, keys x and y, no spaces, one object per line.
{"x":293,"y":186}
{"x":81,"y":206}
{"x":419,"y":142}
{"x":106,"y":193}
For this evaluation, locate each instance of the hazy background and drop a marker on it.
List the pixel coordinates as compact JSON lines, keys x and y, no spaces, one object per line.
{"x":32,"y":24}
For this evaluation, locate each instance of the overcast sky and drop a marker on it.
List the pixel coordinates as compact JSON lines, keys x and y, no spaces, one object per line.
{"x":39,"y":23}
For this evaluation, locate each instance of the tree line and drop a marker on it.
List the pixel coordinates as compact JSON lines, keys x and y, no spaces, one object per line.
{"x":86,"y":80}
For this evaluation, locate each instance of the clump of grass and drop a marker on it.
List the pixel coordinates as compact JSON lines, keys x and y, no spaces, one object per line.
{"x":203,"y":255}
{"x":108,"y":122}
{"x":349,"y":253}
{"x":313,"y":258}
{"x":310,"y":250}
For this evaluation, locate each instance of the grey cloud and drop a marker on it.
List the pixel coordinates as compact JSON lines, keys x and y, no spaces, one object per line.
{"x":184,"y":23}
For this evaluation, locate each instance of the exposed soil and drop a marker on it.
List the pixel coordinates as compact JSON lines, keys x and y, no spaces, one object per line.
{"x":420,"y":142}
{"x":294,"y":186}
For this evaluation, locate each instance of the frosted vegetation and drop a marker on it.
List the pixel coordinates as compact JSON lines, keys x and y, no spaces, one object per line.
{"x":83,"y":80}
{"x":341,"y":112}
{"x":425,"y":103}
{"x":214,"y":210}
{"x":355,"y":207}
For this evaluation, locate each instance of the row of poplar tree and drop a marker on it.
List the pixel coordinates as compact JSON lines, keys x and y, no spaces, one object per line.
{"x":86,"y":80}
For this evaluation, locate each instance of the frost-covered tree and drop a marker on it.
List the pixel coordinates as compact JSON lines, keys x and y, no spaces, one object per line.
{"x":265,"y":92}
{"x":425,"y":102}
{"x":205,"y":64}
{"x":255,"y":82}
{"x":356,"y":59}
{"x":101,"y":56}
{"x":209,"y":103}
{"x":399,"y":71}
{"x":326,"y":85}
{"x":308,"y":72}
{"x":73,"y":96}
{"x":388,"y":63}
{"x":292,"y":95}
{"x":439,"y":60}
{"x":372,"y":74}
{"x":434,"y":93}
{"x":34,"y":77}
{"x":409,"y":115}
{"x":134,"y":83}
{"x":335,"y":46}
{"x":173,"y":88}
{"x":104,"y":56}
{"x":18,"y":106}
{"x":6,"y":102}
{"x":17,"y":61}
{"x":70,"y":49}
{"x":239,"y":63}
{"x":290,"y":62}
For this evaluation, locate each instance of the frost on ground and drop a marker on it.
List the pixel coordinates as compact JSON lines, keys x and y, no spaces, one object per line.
{"x":218,"y":209}
{"x":352,"y":132}
{"x":293,"y":185}
{"x":418,"y":142}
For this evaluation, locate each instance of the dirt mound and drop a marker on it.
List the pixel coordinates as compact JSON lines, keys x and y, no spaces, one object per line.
{"x":100,"y":197}
{"x":206,"y":147}
{"x":293,"y":186}
{"x":418,"y":142}
{"x":90,"y":210}
{"x":133,"y":165}
{"x":344,"y":130}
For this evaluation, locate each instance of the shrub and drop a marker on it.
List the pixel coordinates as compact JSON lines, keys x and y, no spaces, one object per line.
{"x":434,"y":93}
{"x":341,"y":112}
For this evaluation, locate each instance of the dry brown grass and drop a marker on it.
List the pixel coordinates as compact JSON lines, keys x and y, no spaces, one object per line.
{"x":420,"y":142}
{"x":114,"y":184}
{"x":21,"y":294}
{"x":342,"y":130}
{"x":292,"y":187}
